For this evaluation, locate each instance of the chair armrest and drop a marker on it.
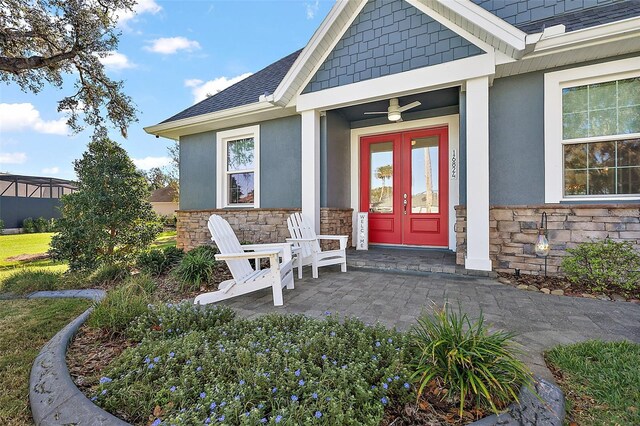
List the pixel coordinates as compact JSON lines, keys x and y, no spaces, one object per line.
{"x":248,"y":255}
{"x":284,"y":248}
{"x":342,"y":238}
{"x":301,"y":240}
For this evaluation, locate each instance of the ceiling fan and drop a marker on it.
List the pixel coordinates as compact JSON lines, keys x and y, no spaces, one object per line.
{"x":394,"y":112}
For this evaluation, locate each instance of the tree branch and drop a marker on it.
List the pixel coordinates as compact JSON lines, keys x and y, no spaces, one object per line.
{"x":19,"y":65}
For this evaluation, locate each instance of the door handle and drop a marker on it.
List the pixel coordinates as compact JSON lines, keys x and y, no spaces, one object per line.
{"x":404,"y":203}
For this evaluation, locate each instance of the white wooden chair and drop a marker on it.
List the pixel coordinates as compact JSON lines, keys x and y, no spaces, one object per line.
{"x":246,"y":279}
{"x":309,"y":252}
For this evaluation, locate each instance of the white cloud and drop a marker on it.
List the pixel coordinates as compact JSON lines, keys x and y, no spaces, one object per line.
{"x":201,"y":89}
{"x":16,"y":117}
{"x":116,"y":61}
{"x":147,"y":163}
{"x":51,"y":170}
{"x":12,"y":157}
{"x":142,"y":6}
{"x":312,"y":9}
{"x":170,"y":45}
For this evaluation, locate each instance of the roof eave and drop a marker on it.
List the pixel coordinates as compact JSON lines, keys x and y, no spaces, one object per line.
{"x":218,"y":120}
{"x":601,"y":33}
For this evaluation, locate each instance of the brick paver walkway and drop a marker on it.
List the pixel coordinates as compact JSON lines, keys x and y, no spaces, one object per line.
{"x":541,"y":321}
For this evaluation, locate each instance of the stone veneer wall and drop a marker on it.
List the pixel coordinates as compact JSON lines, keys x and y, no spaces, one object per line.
{"x":513,"y":232}
{"x":255,"y":225}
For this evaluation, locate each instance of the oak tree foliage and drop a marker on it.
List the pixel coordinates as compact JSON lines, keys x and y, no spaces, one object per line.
{"x":41,"y":41}
{"x":109,"y":218}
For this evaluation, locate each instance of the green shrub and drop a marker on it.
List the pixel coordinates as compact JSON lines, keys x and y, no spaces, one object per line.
{"x":475,"y":366}
{"x":29,"y":280}
{"x":28,"y":226}
{"x":109,"y":275}
{"x":196,"y":267}
{"x":122,"y":305}
{"x":1,"y":226}
{"x":604,"y":265}
{"x":173,"y":256}
{"x":293,"y":369}
{"x":151,"y":262}
{"x":41,"y":225}
{"x":157,"y":262}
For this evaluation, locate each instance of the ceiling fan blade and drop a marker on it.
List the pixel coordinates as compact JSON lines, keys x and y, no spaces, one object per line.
{"x":375,"y":112}
{"x":409,"y":106}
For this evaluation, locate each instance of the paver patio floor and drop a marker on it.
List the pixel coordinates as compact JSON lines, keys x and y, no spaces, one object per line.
{"x":541,"y":321}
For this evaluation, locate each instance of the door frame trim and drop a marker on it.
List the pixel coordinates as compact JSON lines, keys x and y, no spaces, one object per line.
{"x":451,"y":121}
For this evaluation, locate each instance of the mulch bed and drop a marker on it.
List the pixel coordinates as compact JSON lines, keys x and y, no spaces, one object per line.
{"x":90,"y":352}
{"x":558,"y":283}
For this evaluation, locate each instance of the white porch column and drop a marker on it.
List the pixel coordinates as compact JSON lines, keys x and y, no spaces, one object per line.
{"x":478,"y":174}
{"x":311,"y":167}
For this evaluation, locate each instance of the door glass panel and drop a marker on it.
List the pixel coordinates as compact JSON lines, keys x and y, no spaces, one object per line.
{"x":381,"y":178}
{"x":424,"y":175}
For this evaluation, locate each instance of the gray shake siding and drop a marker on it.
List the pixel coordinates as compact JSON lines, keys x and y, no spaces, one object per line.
{"x":389,"y":37}
{"x":280,"y":166}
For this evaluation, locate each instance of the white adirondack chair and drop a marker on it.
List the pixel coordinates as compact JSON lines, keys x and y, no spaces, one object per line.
{"x":308,"y":247}
{"x":246,"y":279}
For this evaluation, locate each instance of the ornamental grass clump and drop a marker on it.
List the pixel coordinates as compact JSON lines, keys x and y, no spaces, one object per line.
{"x":156,"y":262}
{"x":197,"y":267}
{"x":29,"y":280}
{"x":122,"y":305}
{"x":198,"y":365}
{"x":109,"y":275}
{"x":470,"y":366}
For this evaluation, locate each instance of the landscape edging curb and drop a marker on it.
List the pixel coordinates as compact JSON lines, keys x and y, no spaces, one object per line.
{"x":54,"y":398}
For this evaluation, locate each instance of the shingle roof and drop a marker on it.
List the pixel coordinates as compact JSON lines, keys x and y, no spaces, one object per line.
{"x":244,"y":92}
{"x":163,"y":195}
{"x":585,"y":18}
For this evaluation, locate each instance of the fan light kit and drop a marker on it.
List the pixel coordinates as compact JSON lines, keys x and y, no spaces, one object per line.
{"x":394,"y":112}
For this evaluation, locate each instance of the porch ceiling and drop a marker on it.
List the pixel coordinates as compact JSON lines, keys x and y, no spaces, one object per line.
{"x":429,"y":100}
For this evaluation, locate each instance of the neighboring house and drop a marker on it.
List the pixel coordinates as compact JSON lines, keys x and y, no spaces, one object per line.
{"x":164,"y":201}
{"x":30,"y":196}
{"x":524,"y":107}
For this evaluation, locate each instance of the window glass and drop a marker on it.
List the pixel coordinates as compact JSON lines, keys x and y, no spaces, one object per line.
{"x":602,"y":168}
{"x":601,"y":109}
{"x":381,"y":178}
{"x":240,"y":188}
{"x":240,"y":154}
{"x":424,"y":175}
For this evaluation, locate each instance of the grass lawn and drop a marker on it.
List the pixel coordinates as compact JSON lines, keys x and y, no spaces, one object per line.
{"x":601,"y":381}
{"x":15,"y":245}
{"x":26,"y":326}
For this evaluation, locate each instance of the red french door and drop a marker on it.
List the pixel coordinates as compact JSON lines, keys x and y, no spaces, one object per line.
{"x":404,"y":187}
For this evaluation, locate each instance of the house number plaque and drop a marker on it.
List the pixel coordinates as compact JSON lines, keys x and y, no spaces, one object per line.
{"x":454,"y":164}
{"x":362,"y":230}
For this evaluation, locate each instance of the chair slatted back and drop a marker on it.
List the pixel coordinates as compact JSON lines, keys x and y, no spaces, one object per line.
{"x":228,"y":243}
{"x":299,"y":227}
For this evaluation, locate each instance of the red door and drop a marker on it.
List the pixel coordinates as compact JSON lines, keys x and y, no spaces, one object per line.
{"x":404,"y":187}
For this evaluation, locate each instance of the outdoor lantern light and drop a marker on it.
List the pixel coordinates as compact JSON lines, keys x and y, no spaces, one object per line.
{"x":542,"y":243}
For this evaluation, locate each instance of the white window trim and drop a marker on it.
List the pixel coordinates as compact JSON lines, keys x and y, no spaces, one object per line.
{"x":554,"y":82}
{"x":221,"y":174}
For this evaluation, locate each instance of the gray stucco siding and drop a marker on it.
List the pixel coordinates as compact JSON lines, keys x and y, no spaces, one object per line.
{"x":280,"y":166}
{"x":516,"y":140}
{"x":198,"y":171}
{"x":389,"y":37}
{"x":281,"y":163}
{"x":335,"y":166}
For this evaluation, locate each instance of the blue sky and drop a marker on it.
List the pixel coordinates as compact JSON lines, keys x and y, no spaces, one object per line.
{"x":171,"y":53}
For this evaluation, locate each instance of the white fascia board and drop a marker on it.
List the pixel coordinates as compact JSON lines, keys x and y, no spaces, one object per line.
{"x":316,"y":50}
{"x":428,"y":78}
{"x":258,"y":111}
{"x":488,"y":21}
{"x":594,"y":35}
